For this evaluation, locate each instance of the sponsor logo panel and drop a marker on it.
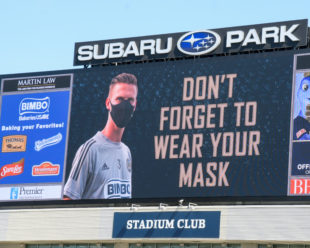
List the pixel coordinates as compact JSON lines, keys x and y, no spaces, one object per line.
{"x":14,"y":143}
{"x":13,"y":169}
{"x":36,"y":83}
{"x":46,"y":169}
{"x":30,"y":192}
{"x":41,"y":144}
{"x":34,"y":109}
{"x":300,"y":186}
{"x":45,"y":83}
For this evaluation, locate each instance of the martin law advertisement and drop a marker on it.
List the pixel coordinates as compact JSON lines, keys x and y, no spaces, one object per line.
{"x":34,"y":128}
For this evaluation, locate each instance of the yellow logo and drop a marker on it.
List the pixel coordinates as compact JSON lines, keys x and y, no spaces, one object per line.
{"x":14,"y":143}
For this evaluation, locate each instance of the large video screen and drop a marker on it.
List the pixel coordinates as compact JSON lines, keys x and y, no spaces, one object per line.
{"x":195,"y":128}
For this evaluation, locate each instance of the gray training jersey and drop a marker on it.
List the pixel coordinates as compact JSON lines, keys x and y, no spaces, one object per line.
{"x":101,"y":170}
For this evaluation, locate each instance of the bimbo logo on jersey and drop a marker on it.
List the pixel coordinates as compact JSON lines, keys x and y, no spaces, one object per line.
{"x":116,"y":188}
{"x":199,"y":42}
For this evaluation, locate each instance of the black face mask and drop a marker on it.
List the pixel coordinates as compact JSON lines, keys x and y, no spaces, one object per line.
{"x":121,"y":113}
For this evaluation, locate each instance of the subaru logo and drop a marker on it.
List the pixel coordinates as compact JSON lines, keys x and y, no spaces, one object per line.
{"x":198,"y":42}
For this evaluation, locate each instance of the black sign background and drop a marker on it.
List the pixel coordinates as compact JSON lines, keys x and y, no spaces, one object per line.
{"x":300,"y":32}
{"x":12,"y":84}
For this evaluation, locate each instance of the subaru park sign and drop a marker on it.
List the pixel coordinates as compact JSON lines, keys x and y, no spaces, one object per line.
{"x":288,"y":34}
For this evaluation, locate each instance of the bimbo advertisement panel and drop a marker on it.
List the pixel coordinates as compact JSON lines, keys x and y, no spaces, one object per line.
{"x":34,"y":127}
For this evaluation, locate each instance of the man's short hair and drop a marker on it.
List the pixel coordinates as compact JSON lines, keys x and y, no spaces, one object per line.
{"x":126,"y":78}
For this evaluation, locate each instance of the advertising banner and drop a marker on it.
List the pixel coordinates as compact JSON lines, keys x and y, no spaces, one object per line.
{"x":203,"y":128}
{"x":299,"y":173}
{"x":190,"y":224}
{"x":34,"y":129}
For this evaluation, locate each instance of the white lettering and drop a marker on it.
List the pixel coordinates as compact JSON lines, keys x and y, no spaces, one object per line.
{"x":165,"y":50}
{"x":85,"y":53}
{"x":251,"y":37}
{"x":288,"y":33}
{"x":270,"y":32}
{"x":234,"y":37}
{"x":129,"y":224}
{"x":101,"y":56}
{"x":116,"y":50}
{"x":131,"y":49}
{"x":147,"y":45}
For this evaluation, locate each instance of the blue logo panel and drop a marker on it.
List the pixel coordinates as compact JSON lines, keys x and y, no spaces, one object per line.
{"x":42,"y":118}
{"x":167,"y":225}
{"x":33,"y":136}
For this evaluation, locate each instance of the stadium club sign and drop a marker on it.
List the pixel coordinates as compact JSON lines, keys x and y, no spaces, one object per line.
{"x":187,"y":224}
{"x":196,"y":43}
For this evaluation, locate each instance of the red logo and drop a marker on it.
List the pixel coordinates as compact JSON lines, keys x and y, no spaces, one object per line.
{"x":300,"y":186}
{"x":13,"y":169}
{"x":45,"y":169}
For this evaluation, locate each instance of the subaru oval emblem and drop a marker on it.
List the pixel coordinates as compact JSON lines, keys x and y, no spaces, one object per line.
{"x":198,"y":42}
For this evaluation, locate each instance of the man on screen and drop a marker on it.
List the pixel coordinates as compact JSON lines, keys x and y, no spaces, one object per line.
{"x":102,"y":165}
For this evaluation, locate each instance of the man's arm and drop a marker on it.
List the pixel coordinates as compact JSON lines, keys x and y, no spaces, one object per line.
{"x":79,"y":174}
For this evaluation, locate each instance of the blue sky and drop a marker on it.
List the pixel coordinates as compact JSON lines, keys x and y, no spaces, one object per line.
{"x":39,"y":35}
